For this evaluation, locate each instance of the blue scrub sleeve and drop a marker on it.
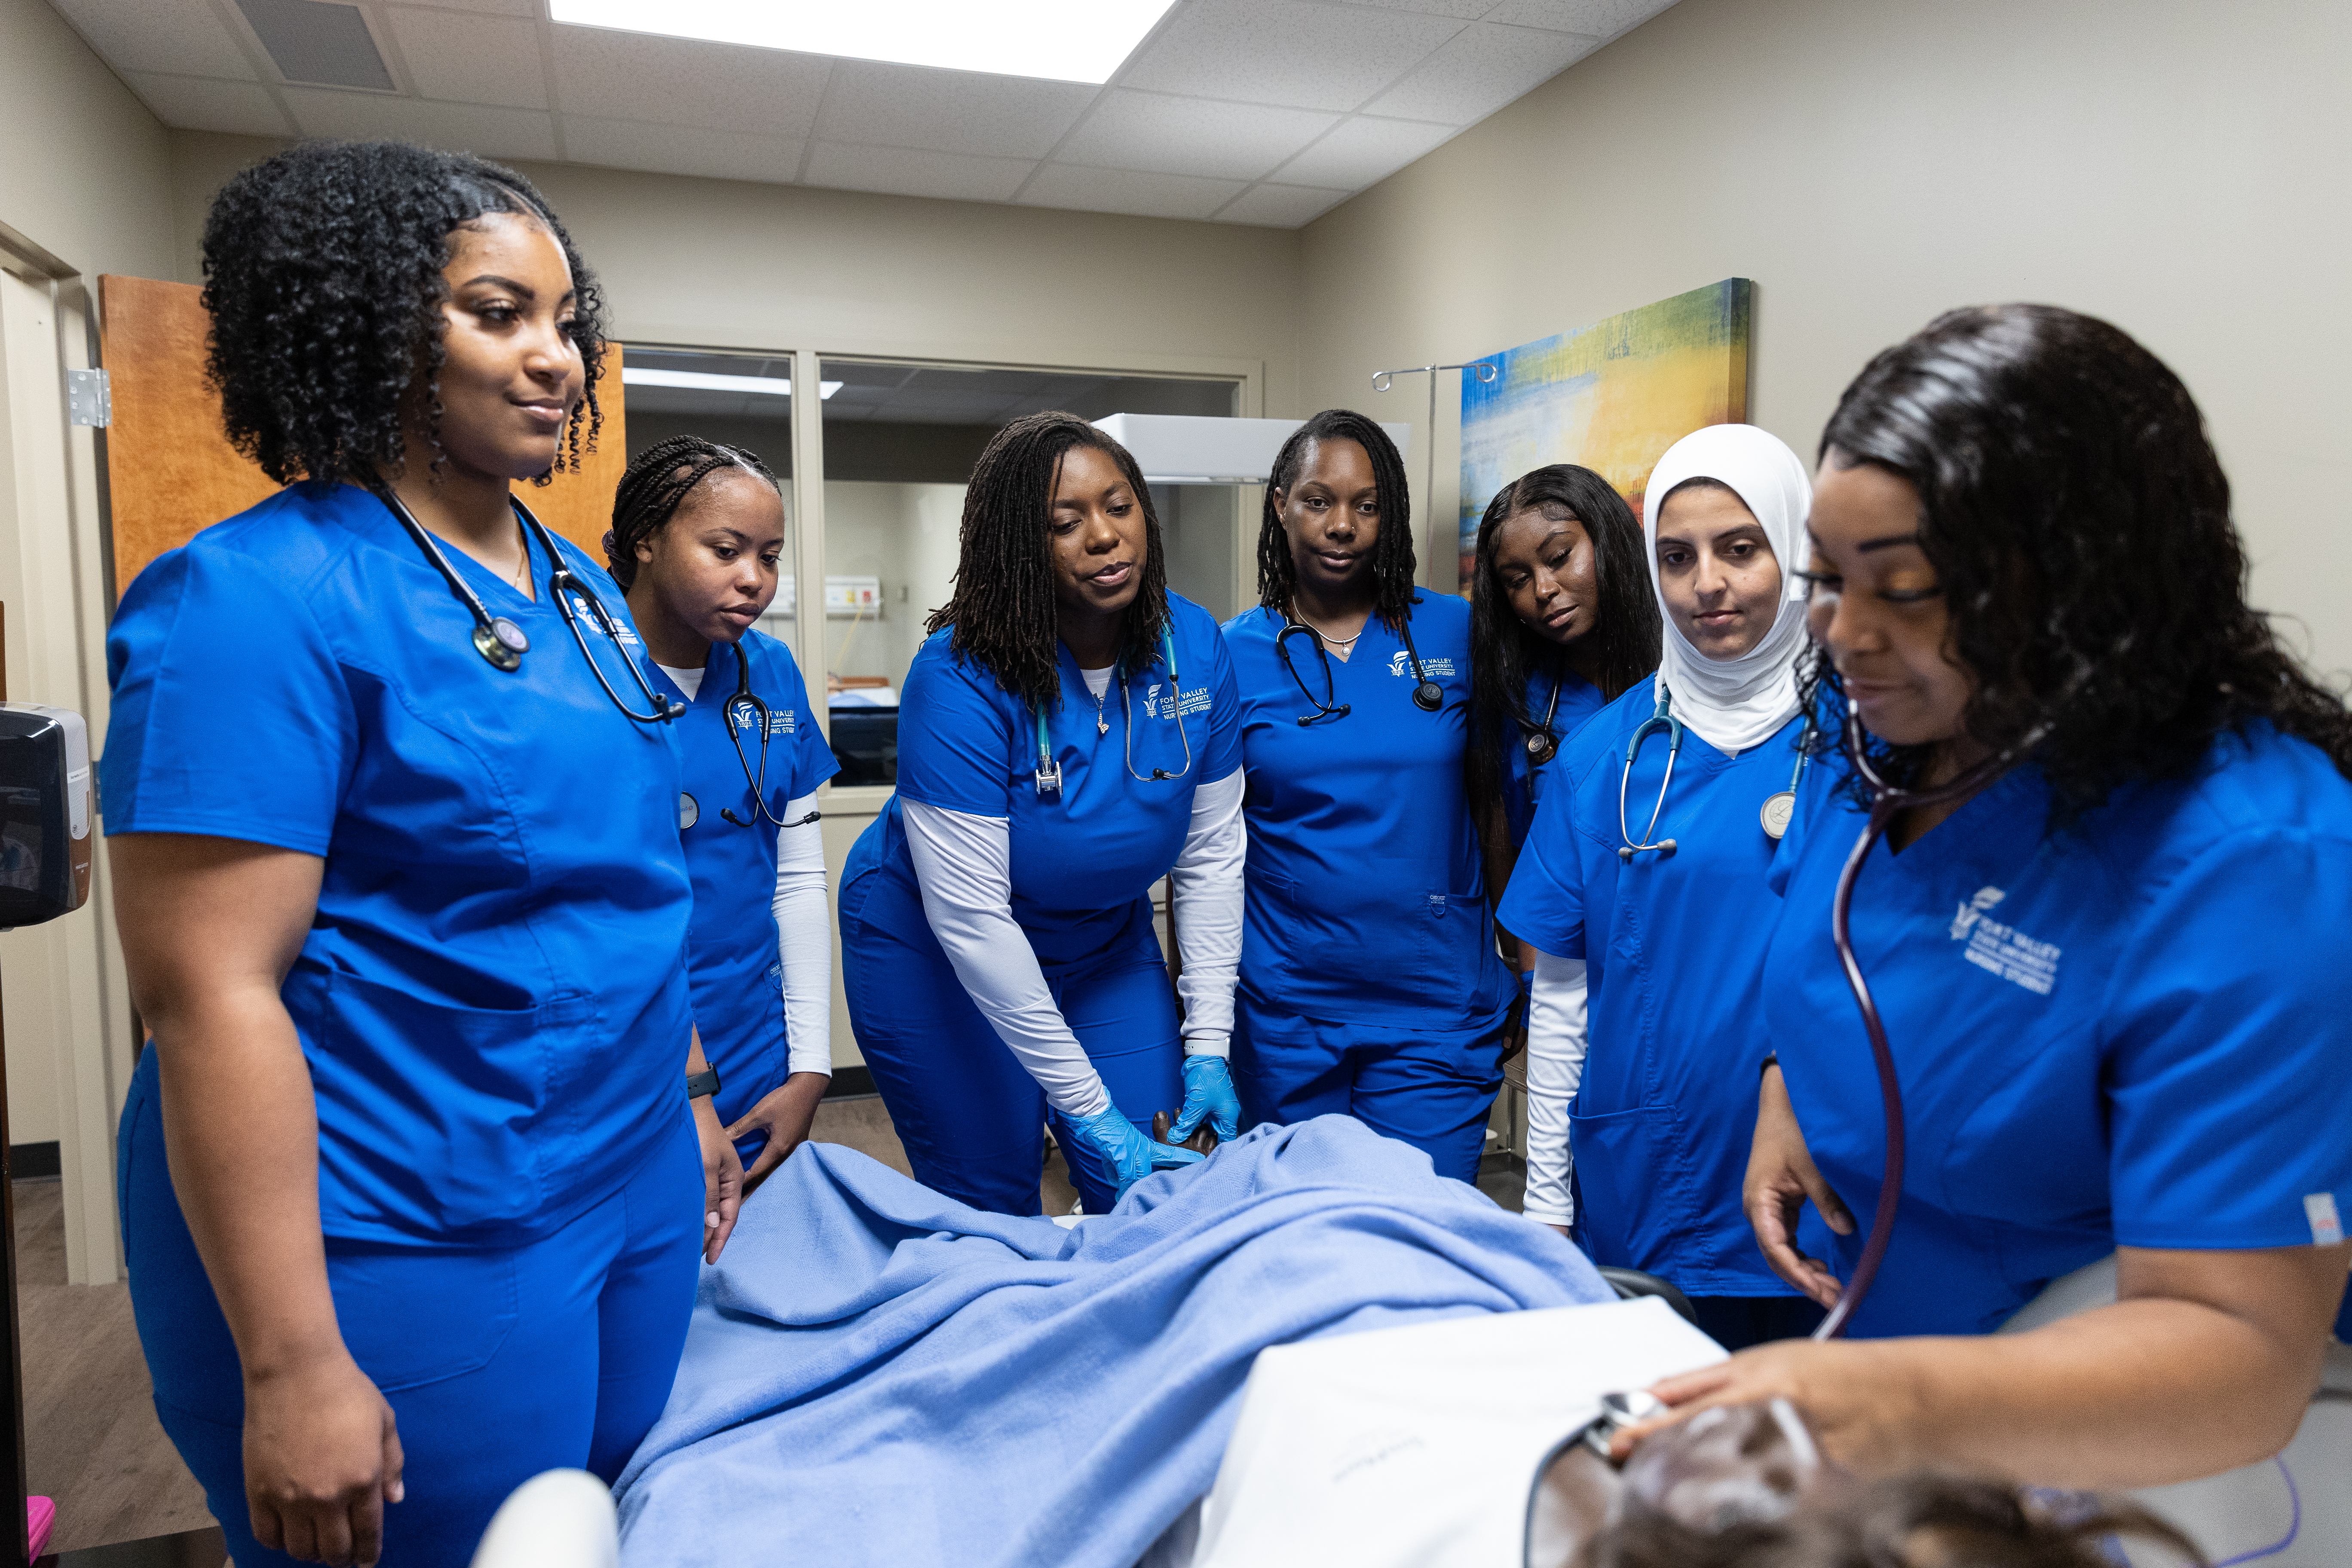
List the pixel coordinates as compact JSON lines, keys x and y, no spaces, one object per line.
{"x":230,"y":717}
{"x":1544,"y":905}
{"x":2228,"y":1036}
{"x":951,"y":739}
{"x":1223,"y":757}
{"x":813,"y":759}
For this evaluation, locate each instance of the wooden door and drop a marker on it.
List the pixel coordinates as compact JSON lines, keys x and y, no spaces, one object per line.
{"x":171,"y":472}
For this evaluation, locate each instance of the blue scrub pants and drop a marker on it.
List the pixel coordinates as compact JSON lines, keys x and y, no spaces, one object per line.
{"x":1431,"y":1089}
{"x":967,"y":1111}
{"x":497,"y":1363}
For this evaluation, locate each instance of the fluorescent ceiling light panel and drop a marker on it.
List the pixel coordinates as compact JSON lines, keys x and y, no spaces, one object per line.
{"x":1060,"y":40}
{"x":705,"y":381}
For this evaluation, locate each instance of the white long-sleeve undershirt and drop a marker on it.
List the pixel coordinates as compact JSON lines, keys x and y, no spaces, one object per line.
{"x":963,"y":864}
{"x":804,"y":940}
{"x":1557,"y":1041}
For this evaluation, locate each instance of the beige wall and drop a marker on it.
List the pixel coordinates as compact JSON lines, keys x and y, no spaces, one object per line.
{"x":722,"y":264}
{"x":2178,"y":167}
{"x":84,"y":168}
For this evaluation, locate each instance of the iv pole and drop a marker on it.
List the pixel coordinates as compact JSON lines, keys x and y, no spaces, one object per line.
{"x":1383,"y":380}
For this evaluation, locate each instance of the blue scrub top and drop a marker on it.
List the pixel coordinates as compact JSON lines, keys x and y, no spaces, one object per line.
{"x":1523,"y":782}
{"x":731,"y":952}
{"x":2132,"y":1031}
{"x":1365,"y":903}
{"x":492,"y":999}
{"x":1082,"y":857}
{"x":1674,"y":947}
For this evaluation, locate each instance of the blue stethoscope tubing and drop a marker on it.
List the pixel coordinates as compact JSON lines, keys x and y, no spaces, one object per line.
{"x":1774,"y":814}
{"x":1049,"y":771}
{"x":1427,"y":695}
{"x":501,"y":643}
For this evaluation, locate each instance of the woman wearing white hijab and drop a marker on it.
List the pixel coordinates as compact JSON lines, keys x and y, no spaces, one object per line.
{"x":1642,"y":887}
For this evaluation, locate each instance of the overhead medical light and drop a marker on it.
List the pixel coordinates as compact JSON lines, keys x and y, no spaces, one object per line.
{"x":707,"y":381}
{"x":1060,"y":40}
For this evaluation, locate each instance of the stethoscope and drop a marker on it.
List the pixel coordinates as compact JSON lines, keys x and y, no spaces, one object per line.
{"x":744,"y":700}
{"x":1887,"y":802}
{"x":1543,"y":744}
{"x":1049,"y":769}
{"x":1427,"y":695}
{"x":501,"y":643}
{"x":1775,"y":813}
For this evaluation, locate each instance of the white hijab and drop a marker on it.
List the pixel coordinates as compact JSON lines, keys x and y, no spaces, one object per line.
{"x":1736,"y":703}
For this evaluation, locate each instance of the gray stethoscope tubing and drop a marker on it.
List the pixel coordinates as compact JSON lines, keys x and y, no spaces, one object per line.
{"x":501,"y":642}
{"x":1774,"y":814}
{"x":1886,"y":802}
{"x":1427,"y":695}
{"x":1048,"y":778}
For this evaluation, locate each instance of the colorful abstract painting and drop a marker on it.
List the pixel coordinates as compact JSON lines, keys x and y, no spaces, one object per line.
{"x":1611,"y":396}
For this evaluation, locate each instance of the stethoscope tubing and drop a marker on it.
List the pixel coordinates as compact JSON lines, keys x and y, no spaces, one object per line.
{"x":1048,"y":777}
{"x":1427,"y":695}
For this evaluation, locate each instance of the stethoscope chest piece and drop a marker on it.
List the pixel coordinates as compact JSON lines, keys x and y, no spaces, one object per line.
{"x":1541,"y":748}
{"x":502,"y":643}
{"x":689,"y":811}
{"x":1429,"y":697}
{"x":1777,"y":810}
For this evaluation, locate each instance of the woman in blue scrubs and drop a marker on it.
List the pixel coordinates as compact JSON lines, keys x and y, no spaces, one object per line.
{"x":1643,"y":889}
{"x":1067,"y":738}
{"x":410,"y":1187}
{"x":696,"y":531}
{"x":1562,"y":619}
{"x":1370,"y":984}
{"x":2113,"y":978}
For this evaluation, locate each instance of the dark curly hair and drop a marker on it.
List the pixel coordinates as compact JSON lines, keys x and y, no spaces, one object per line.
{"x":1393,"y":560}
{"x":322,"y":276}
{"x":657,"y":484}
{"x":1625,"y":629}
{"x":2078,"y":523}
{"x":1003,"y":609}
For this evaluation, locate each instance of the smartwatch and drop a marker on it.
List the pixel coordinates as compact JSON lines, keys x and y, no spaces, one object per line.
{"x":703,"y":1083}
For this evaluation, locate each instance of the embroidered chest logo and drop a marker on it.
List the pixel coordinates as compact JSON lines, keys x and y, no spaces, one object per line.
{"x":2004,"y":950}
{"x":1154,"y":708}
{"x":781,"y":721}
{"x":1400,"y":663}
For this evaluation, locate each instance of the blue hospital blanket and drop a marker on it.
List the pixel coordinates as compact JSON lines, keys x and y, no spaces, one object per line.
{"x":878,"y":1375}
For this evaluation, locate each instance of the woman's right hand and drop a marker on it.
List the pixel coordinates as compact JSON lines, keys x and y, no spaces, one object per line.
{"x":322,"y":1459}
{"x":1780,"y":1177}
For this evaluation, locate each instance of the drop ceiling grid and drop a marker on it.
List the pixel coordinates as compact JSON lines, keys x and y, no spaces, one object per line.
{"x":1257,"y":112}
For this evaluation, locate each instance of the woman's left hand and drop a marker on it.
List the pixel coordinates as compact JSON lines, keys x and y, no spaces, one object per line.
{"x":722,"y":1180}
{"x":785,"y":1114}
{"x":1858,"y":1398}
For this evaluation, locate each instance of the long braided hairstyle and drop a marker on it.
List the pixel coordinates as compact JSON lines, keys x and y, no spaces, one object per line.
{"x":1003,"y":612}
{"x":1393,"y":565}
{"x":656,"y":484}
{"x":1626,"y":626}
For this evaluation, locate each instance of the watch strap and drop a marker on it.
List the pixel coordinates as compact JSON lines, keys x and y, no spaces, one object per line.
{"x":700,"y":1084}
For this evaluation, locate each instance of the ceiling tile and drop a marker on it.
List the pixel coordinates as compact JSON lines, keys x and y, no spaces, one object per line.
{"x":950,"y":111}
{"x":1284,"y":51}
{"x":683,"y":81}
{"x":1599,"y":18}
{"x":1467,"y":10}
{"x":532,"y":8}
{"x":1281,"y":206}
{"x":204,"y":103}
{"x":1119,"y":191}
{"x":681,"y":150}
{"x":1360,"y":150}
{"x":472,"y":59}
{"x":1481,"y":68}
{"x":455,"y":127}
{"x":1189,"y":135}
{"x":181,"y":36}
{"x":905,"y":172}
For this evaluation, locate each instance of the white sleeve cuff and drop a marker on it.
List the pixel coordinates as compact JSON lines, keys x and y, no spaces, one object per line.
{"x":964,"y":865}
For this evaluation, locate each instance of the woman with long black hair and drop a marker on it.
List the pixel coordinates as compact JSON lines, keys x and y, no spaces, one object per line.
{"x":2105,"y":937}
{"x":1067,"y":738}
{"x":1370,"y":984}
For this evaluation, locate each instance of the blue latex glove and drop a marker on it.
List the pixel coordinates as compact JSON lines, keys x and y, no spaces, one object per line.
{"x":1208,"y":1097}
{"x":1134,"y":1155}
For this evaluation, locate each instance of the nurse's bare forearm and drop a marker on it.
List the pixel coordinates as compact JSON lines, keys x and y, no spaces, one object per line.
{"x":209,"y":929}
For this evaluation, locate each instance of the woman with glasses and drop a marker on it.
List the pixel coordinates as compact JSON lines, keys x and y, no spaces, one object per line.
{"x":697,"y":532}
{"x":1067,"y":738}
{"x":1370,"y":983}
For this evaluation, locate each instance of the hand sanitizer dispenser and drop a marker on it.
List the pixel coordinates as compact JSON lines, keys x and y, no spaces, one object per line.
{"x":45,"y":813}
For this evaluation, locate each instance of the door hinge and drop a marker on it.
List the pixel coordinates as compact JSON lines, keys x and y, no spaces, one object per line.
{"x":90,"y":398}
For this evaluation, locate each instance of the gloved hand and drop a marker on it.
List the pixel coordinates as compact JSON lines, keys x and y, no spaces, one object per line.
{"x":1128,"y":1152}
{"x":1208,"y":1097}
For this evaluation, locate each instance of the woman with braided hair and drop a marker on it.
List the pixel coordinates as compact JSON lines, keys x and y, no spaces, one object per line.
{"x":696,"y":531}
{"x":1370,"y":983}
{"x":1067,"y":736}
